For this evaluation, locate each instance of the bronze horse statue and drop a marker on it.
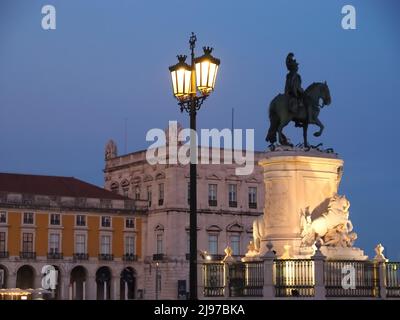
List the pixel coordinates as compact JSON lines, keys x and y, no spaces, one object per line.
{"x":280,"y":114}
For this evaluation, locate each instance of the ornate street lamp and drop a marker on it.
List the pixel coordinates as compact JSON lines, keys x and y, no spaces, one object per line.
{"x":191,"y":86}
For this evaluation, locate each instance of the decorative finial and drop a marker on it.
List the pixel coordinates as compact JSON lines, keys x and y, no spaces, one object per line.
{"x":318,"y":244}
{"x":207,"y":50}
{"x":181,"y":57}
{"x":269,"y":246}
{"x":228,"y":255}
{"x":379,"y":253}
{"x":192,"y":41}
{"x":286,"y":253}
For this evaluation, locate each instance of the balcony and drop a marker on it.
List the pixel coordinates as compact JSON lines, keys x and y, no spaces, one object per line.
{"x":233,"y":204}
{"x":216,"y":257}
{"x":212,"y":203}
{"x":81,"y":256}
{"x":253,"y":205}
{"x":129,"y":257}
{"x":158,"y":256}
{"x":54,"y":256}
{"x":106,"y":257}
{"x":27,"y":255}
{"x":4,"y":254}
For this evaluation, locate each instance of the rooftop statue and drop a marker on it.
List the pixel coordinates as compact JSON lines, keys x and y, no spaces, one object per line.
{"x":297,"y":105}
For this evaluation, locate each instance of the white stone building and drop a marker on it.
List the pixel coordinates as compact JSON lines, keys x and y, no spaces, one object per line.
{"x":227,"y":206}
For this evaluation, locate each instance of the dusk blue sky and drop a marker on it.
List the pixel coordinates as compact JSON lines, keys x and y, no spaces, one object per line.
{"x":64,"y":93}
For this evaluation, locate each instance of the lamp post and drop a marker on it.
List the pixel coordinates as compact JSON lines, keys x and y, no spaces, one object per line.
{"x":157,"y":280}
{"x":191,"y":85}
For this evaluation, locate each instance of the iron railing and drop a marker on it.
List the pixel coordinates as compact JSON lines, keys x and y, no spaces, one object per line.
{"x":253,"y":205}
{"x":81,"y":256}
{"x":294,"y":278}
{"x":246,"y":279}
{"x":349,"y":278}
{"x":54,"y":255}
{"x":393,"y":279}
{"x":129,"y":257}
{"x":27,"y":255}
{"x":213,"y":279}
{"x":106,"y":256}
{"x":158,"y":256}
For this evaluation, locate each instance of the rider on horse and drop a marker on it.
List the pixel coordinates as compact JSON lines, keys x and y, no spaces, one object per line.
{"x":293,"y":88}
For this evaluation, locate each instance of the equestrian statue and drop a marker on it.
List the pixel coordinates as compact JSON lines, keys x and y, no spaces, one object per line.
{"x":297,"y":105}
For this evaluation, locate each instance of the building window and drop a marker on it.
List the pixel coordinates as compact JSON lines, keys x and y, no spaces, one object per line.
{"x":137,"y":192}
{"x":27,"y":242}
{"x":105,"y":245}
{"x":80,"y":243}
{"x":159,"y":243}
{"x":232,"y":195}
{"x":54,"y":245}
{"x":3,"y":217}
{"x":28,"y":217}
{"x":130,"y":223}
{"x":114,"y":187}
{"x":55,"y":219}
{"x":161,"y":194}
{"x":252,"y":197}
{"x":81,"y":220}
{"x":235,"y":244}
{"x":106,"y":221}
{"x":149,"y":195}
{"x":130,"y":245}
{"x":212,"y":195}
{"x":213,"y":244}
{"x":2,"y":243}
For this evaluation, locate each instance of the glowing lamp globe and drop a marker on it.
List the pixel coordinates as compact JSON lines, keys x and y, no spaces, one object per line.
{"x":181,"y":78}
{"x":206,"y":71}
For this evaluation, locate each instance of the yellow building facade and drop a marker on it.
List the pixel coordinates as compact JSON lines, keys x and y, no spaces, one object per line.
{"x":91,"y":236}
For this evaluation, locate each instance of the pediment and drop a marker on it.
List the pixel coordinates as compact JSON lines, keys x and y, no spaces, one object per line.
{"x":213,"y":177}
{"x":232,"y":177}
{"x":235,"y":227}
{"x":148,"y":178}
{"x":252,"y":180}
{"x":160,"y":176}
{"x":213,"y":228}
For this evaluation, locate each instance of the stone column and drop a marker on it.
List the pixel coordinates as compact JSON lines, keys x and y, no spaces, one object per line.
{"x":115,"y":288}
{"x":319,"y":261}
{"x":295,"y":182}
{"x":226,"y":280}
{"x":380,"y":269}
{"x":269,"y":287}
{"x":11,"y":279}
{"x":91,"y":288}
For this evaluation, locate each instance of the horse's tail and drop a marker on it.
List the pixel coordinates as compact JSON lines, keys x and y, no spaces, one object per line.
{"x":274,"y":123}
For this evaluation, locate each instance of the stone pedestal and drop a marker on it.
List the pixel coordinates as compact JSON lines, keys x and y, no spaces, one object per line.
{"x":352,"y":253}
{"x":295,"y":181}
